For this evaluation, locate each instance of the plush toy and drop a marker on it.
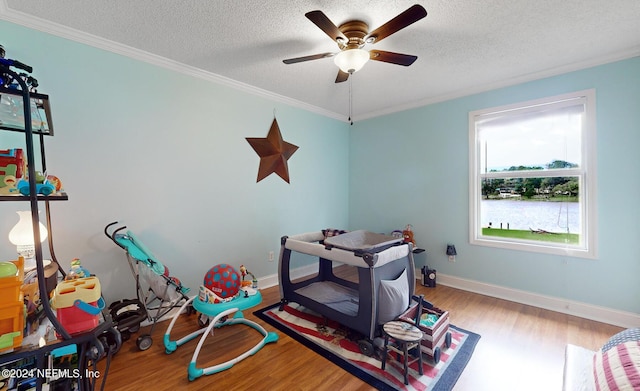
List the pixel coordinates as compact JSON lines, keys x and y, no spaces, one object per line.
{"x":408,"y":235}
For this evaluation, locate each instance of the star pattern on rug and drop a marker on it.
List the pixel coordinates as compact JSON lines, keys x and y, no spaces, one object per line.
{"x":274,"y":153}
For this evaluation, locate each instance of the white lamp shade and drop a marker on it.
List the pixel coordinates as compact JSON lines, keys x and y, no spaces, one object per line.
{"x":22,"y":233}
{"x":351,"y":60}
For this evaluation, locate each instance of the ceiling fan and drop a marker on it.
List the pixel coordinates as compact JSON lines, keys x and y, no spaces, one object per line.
{"x":352,"y":36}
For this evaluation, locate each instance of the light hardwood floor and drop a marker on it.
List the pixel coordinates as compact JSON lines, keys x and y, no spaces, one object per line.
{"x":521,"y":348}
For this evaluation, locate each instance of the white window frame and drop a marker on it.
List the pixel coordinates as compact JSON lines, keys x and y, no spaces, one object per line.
{"x":587,"y":247}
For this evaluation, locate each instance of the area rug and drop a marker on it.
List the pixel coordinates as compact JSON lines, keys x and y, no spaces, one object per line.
{"x":337,"y":344}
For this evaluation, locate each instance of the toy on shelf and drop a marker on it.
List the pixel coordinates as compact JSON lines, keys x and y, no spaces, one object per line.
{"x":77,"y":270}
{"x":11,"y":305}
{"x":9,"y":183}
{"x":13,"y":165}
{"x":43,"y":186}
{"x":56,"y":182}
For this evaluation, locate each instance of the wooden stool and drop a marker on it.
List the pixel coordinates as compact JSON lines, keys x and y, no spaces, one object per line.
{"x":406,"y":337}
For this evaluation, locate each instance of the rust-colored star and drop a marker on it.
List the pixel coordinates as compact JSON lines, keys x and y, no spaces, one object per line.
{"x":274,"y":153}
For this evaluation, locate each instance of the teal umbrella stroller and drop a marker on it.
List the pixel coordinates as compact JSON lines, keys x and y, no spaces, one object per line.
{"x":158,"y":293}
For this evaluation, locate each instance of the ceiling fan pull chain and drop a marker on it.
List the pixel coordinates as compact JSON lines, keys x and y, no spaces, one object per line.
{"x":350,"y":99}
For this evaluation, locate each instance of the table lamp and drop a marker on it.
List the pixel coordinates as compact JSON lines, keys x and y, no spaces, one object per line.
{"x":21,"y":235}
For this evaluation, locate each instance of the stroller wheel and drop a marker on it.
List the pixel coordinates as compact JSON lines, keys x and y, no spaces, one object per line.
{"x":144,"y":342}
{"x":134,"y":329}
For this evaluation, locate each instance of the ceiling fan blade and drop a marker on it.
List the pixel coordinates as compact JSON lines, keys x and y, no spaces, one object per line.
{"x":391,"y":57}
{"x":342,"y":76}
{"x":307,"y":58}
{"x":325,"y":24}
{"x":411,"y":15}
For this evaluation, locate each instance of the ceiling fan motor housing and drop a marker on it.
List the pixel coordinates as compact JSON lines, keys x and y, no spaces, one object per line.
{"x":355,"y":31}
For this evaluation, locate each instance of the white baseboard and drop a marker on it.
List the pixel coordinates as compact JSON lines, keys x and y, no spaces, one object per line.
{"x":272,"y":279}
{"x":570,"y":307}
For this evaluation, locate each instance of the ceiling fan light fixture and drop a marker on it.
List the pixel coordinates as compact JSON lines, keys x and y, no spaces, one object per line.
{"x":351,"y":60}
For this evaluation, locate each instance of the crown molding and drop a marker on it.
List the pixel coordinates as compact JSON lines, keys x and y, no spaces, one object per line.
{"x":58,"y":30}
{"x":619,"y":56}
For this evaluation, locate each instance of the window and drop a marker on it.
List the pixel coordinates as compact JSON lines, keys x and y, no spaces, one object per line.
{"x":533,"y":176}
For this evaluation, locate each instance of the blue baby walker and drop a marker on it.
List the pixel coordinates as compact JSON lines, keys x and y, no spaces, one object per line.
{"x":217,"y":309}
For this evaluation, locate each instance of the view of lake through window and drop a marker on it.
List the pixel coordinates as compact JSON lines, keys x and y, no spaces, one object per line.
{"x":557,"y":217}
{"x":530,"y":173}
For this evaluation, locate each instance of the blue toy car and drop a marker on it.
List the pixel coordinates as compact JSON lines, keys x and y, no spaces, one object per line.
{"x":44,"y":188}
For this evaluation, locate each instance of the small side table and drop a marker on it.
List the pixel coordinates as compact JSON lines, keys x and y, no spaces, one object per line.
{"x":405,"y":337}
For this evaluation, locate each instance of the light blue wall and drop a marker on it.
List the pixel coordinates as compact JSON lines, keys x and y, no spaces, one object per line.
{"x":165,"y":154}
{"x":412,"y":167}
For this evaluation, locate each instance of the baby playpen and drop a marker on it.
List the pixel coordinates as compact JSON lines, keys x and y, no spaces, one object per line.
{"x":385,"y":279}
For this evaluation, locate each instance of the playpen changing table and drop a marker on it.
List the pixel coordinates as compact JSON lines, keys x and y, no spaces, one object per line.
{"x":386,"y":279}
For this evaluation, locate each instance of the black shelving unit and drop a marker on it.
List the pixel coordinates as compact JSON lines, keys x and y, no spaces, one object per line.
{"x":94,"y":344}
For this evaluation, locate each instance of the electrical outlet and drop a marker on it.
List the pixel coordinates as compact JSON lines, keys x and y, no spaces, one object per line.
{"x":271,"y":256}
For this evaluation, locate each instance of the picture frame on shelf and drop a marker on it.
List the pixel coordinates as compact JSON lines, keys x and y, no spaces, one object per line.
{"x":12,"y":113}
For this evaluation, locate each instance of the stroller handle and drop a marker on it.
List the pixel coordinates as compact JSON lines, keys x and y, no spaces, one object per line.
{"x":112,"y":235}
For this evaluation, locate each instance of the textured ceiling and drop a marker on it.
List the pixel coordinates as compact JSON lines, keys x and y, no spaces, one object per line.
{"x":463,"y":46}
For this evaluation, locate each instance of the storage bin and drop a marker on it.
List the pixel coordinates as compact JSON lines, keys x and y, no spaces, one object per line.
{"x":78,"y":304}
{"x":10,"y":286}
{"x":11,"y":324}
{"x":436,"y":335}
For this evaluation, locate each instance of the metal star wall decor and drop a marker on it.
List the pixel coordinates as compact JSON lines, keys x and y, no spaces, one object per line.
{"x":274,"y":153}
